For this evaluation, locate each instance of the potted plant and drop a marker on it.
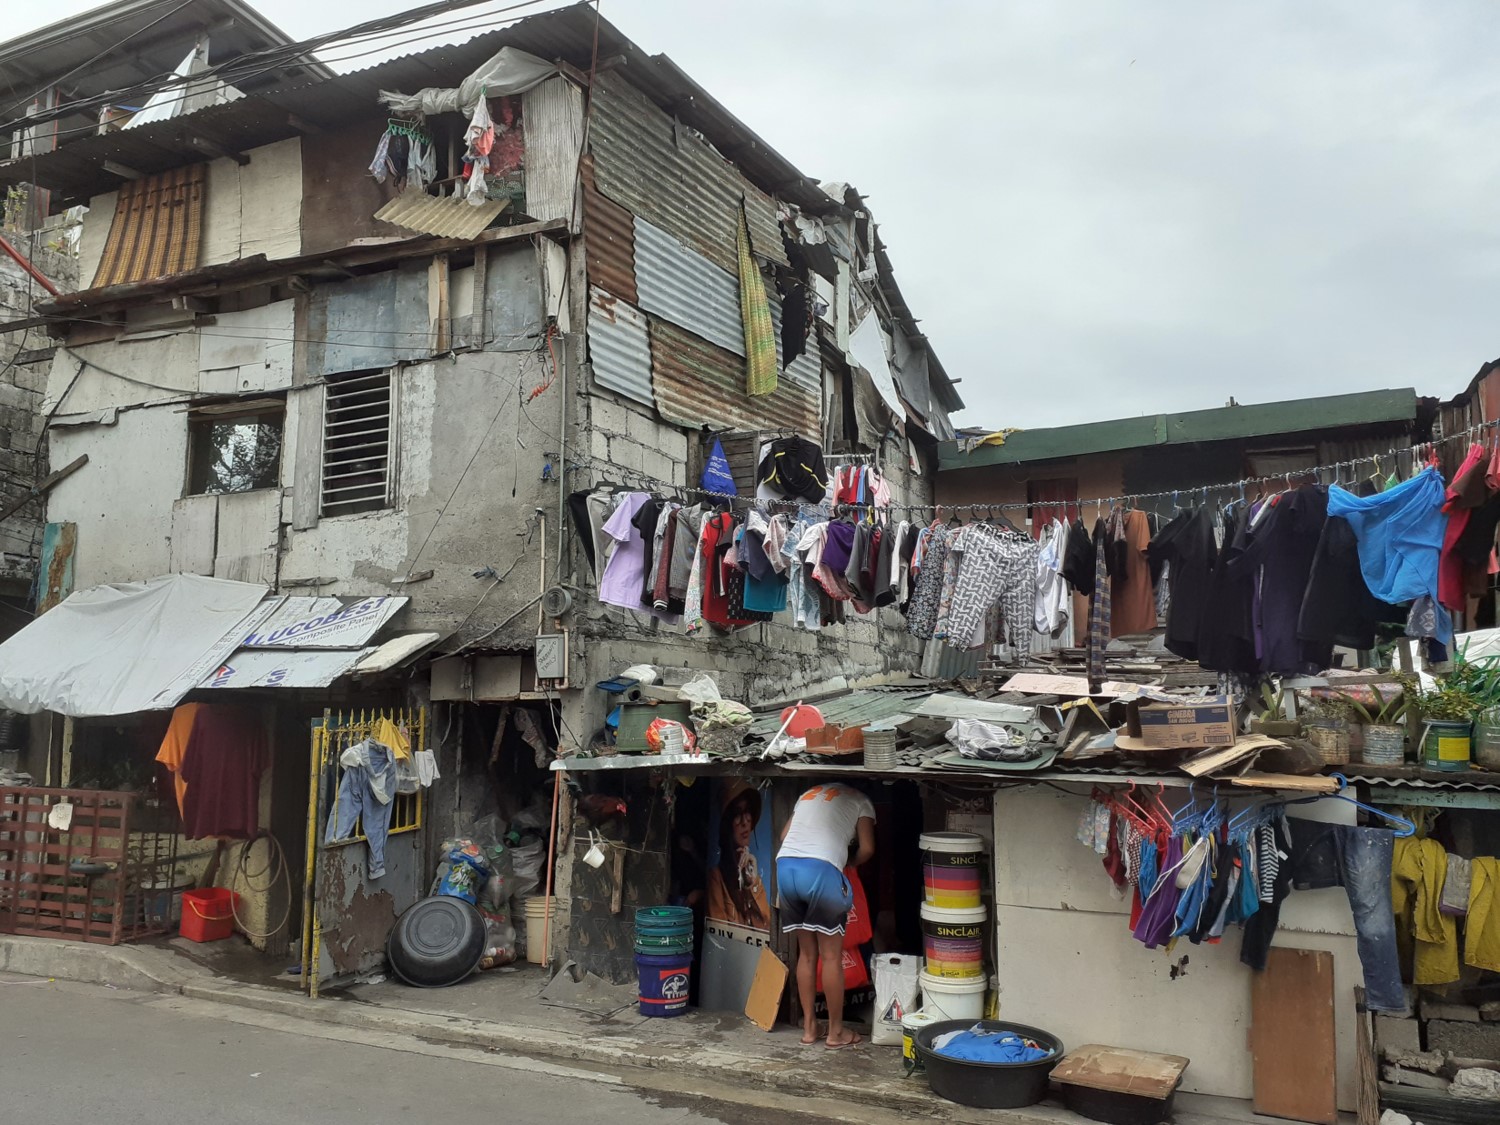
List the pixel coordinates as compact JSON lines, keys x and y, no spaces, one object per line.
{"x":1448,"y":711}
{"x":1327,"y":723}
{"x":1272,"y":721}
{"x":1384,"y":742}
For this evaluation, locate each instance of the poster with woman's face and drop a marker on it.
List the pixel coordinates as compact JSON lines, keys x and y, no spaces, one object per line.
{"x":739,"y":855}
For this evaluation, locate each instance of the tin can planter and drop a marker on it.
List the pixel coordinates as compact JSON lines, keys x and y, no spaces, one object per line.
{"x":1487,"y":744}
{"x":1330,"y":738}
{"x":1447,"y":745}
{"x":1384,"y":745}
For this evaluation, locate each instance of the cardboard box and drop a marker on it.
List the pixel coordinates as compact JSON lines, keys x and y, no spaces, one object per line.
{"x":1164,"y":725}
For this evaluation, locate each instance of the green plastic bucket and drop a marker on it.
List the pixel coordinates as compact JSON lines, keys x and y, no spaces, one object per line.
{"x":1447,"y":745}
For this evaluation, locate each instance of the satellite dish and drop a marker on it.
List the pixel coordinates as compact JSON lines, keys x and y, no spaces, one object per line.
{"x":556,"y":602}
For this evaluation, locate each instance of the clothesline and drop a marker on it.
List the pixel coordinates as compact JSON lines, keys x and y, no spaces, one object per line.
{"x":1335,"y":467}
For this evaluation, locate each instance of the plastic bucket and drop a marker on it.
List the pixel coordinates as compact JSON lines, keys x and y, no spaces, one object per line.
{"x":953,"y":942}
{"x":208,"y":915}
{"x":911,"y":1023}
{"x":664,"y":983}
{"x":951,"y":865}
{"x":1446,"y":745}
{"x":945,"y":998}
{"x":538,"y":909}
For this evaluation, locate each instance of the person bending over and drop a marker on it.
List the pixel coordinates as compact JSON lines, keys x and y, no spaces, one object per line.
{"x":815,"y":898}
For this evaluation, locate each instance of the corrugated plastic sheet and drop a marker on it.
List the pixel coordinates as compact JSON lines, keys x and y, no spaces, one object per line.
{"x":696,"y":382}
{"x":619,"y":346}
{"x":671,"y":176}
{"x":609,"y":237}
{"x":451,"y":218}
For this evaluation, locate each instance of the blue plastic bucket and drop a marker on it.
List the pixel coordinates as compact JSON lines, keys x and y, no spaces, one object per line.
{"x":664,"y":983}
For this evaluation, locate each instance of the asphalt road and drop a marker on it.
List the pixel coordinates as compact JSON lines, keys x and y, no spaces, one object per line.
{"x":72,"y":1054}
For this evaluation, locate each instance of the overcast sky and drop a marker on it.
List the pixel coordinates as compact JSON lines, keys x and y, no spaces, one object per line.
{"x":1104,"y":209}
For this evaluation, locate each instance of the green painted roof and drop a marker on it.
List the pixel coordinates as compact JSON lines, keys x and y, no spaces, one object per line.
{"x":1224,"y":423}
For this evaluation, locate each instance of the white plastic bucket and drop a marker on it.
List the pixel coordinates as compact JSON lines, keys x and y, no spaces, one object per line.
{"x":953,"y":941}
{"x":538,"y":909}
{"x":911,"y":1023}
{"x":954,"y":999}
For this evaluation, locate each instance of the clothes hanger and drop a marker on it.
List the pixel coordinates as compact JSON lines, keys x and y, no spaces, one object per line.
{"x":1404,"y":827}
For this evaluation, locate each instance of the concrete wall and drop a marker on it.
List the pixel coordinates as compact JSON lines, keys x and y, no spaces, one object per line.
{"x":21,"y":387}
{"x":1067,"y":963}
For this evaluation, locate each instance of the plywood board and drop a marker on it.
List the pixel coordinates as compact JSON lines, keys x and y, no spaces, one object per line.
{"x":195,"y":521}
{"x":1121,"y":1069}
{"x":1286,"y":781}
{"x":1292,"y":1042}
{"x":1037,"y":683}
{"x":766,"y":990}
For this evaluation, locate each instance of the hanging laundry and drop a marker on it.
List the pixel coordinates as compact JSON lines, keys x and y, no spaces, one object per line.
{"x":717,"y":477}
{"x":1133,"y":607}
{"x":1400,"y":533}
{"x":480,"y":139}
{"x":222,"y":763}
{"x":1418,"y":870}
{"x":755,"y":312}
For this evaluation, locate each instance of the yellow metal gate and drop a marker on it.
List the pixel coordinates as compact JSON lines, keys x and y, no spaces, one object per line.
{"x":346,"y":915}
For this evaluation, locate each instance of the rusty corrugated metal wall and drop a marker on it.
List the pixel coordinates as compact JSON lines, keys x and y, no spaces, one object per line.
{"x":669,"y":175}
{"x":609,"y":239}
{"x":696,"y":382}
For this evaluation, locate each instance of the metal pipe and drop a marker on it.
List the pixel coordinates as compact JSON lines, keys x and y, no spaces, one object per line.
{"x":562,"y":452}
{"x":541,"y":610}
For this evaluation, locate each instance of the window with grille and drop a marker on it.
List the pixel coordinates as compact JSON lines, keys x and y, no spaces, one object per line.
{"x":358,"y":446}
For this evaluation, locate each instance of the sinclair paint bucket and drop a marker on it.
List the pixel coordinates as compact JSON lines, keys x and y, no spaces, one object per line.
{"x":953,"y":941}
{"x":951,"y":867}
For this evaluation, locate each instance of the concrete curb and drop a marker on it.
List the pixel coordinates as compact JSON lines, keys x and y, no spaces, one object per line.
{"x":119,"y":966}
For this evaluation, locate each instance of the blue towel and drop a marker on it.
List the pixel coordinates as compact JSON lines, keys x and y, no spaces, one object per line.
{"x":987,"y":1047}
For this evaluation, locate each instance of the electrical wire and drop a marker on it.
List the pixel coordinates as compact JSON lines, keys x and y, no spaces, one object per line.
{"x":246,"y":67}
{"x":646,"y":480}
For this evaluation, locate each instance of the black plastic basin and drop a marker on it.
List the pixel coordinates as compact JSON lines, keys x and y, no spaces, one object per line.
{"x":987,"y":1085}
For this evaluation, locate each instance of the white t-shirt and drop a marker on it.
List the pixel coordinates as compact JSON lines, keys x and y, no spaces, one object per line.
{"x":824,"y":824}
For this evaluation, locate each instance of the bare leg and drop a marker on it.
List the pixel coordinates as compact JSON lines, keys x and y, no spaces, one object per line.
{"x":831,"y":947}
{"x":807,"y":987}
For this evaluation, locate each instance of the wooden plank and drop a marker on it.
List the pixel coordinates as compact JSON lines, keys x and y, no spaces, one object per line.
{"x":44,"y":484}
{"x":1317,"y":784}
{"x":439,"y":314}
{"x":248,"y":526}
{"x":1293,"y":1050}
{"x":307,"y":473}
{"x":1367,"y":1096}
{"x":1121,"y":1069}
{"x":195,"y":525}
{"x":477,"y":321}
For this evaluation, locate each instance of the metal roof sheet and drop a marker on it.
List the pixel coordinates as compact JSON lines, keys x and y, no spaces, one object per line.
{"x":686,"y":288}
{"x":619,"y":346}
{"x":857,"y":709}
{"x":1224,"y":423}
{"x":609,"y":240}
{"x":697,"y":382}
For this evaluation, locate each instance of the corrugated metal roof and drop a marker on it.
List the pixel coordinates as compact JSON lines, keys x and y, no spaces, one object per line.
{"x":451,"y":218}
{"x":686,"y":288}
{"x":1306,"y":415}
{"x":858,"y":708}
{"x":695,"y":381}
{"x":667,"y":174}
{"x":619,"y":346}
{"x":609,"y":239}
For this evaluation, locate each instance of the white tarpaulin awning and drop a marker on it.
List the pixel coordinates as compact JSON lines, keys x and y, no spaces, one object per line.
{"x":137,"y":646}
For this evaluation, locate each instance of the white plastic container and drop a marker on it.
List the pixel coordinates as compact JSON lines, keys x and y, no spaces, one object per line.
{"x":538,"y":909}
{"x":954,"y":998}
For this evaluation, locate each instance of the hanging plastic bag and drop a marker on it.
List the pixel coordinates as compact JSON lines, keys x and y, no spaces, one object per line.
{"x":701,"y":690}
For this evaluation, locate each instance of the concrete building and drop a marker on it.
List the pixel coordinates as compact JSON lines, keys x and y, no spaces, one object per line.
{"x":286,"y":372}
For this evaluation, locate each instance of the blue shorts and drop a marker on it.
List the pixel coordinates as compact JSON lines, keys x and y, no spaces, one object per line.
{"x":812,"y":895}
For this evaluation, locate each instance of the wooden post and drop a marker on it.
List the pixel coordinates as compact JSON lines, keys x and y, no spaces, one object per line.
{"x":438,"y":312}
